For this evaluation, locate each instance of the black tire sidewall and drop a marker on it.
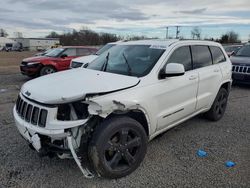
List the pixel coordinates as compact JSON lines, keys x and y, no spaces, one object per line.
{"x":103,"y":133}
{"x":214,"y":115}
{"x":42,"y":71}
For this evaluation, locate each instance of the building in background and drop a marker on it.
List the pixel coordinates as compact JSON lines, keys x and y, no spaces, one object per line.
{"x":37,"y":44}
{"x":6,"y":43}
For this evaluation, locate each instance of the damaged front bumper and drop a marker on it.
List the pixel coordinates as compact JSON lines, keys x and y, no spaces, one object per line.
{"x":64,"y":142}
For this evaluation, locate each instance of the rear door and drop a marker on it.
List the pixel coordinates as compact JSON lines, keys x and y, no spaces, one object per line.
{"x":210,"y":75}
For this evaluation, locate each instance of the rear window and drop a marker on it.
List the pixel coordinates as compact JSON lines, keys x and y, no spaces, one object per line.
{"x":217,"y":54}
{"x":83,"y":51}
{"x":201,"y":56}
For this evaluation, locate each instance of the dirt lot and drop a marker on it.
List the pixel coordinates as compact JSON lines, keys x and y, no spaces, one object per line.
{"x":171,"y":159}
{"x":9,"y":61}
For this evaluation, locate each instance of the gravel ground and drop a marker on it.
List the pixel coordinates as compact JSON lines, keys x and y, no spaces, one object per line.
{"x":171,"y":159}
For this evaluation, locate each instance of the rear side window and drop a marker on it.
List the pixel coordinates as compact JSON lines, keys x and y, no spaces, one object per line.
{"x":70,"y":52}
{"x":182,"y":55}
{"x":83,"y":51}
{"x":201,"y":56}
{"x":217,"y":54}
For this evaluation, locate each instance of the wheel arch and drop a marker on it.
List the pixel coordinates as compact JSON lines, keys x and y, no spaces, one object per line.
{"x":226,"y":85}
{"x":136,"y":114}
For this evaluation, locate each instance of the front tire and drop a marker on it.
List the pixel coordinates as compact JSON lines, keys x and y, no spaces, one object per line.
{"x":118,"y":147}
{"x":219,"y":106}
{"x":47,"y":70}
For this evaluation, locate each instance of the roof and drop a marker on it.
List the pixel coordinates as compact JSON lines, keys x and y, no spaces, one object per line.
{"x":90,"y":47}
{"x":4,"y":40}
{"x":168,"y":42}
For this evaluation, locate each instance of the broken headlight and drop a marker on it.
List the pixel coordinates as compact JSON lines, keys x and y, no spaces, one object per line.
{"x":72,"y":111}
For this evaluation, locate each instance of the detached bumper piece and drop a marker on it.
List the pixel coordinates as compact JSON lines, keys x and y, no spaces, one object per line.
{"x":85,"y":171}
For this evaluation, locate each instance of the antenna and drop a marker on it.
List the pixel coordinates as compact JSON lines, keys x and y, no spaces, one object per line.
{"x":166,"y":32}
{"x":177,"y":31}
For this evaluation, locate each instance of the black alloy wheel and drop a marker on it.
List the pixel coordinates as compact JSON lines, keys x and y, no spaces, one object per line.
{"x":118,"y":147}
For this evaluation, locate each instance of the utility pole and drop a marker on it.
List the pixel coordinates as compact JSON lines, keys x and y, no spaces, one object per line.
{"x":177,"y":31}
{"x":166,"y":32}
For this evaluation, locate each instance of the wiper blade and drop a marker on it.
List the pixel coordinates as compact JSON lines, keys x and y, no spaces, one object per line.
{"x":104,"y":67}
{"x":129,"y":67}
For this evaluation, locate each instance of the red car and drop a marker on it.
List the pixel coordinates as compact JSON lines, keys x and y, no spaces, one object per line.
{"x":56,"y":60}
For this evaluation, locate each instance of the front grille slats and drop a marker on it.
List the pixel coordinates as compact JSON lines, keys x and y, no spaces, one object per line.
{"x":241,"y":69}
{"x":31,"y":114}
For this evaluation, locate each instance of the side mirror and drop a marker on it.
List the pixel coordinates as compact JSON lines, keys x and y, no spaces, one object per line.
{"x":172,"y":69}
{"x":64,"y":55}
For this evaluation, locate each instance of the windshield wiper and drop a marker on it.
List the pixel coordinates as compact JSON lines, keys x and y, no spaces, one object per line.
{"x":129,"y":67}
{"x":104,"y":67}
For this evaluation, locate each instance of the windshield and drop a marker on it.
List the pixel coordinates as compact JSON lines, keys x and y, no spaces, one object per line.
{"x":132,"y":60}
{"x":244,"y":51}
{"x":104,"y":49}
{"x":55,"y":52}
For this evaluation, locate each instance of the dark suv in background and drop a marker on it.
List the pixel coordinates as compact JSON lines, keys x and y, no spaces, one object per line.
{"x":56,"y":60}
{"x":241,"y":65}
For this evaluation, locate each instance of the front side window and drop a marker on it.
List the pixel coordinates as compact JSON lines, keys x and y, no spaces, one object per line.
{"x":55,"y":52}
{"x":201,"y":56}
{"x":132,"y":60}
{"x":217,"y":54}
{"x":70,"y":52}
{"x":182,"y":55}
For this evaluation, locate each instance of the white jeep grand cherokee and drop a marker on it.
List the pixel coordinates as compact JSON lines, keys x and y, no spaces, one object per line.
{"x":104,"y":115}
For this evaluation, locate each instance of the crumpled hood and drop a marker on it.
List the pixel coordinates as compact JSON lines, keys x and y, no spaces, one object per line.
{"x":85,"y":59}
{"x":240,"y":60}
{"x":72,"y":85}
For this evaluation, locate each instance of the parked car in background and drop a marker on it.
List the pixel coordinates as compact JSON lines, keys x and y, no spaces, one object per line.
{"x":56,"y":60}
{"x":81,"y":61}
{"x":241,"y":65}
{"x":105,"y":114}
{"x":232,"y":49}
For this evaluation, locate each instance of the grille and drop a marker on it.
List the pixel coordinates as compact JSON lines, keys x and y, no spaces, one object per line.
{"x":75,"y":64}
{"x":241,"y":69}
{"x":31,"y":114}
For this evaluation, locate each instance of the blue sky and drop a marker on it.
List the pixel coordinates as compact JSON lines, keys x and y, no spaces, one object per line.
{"x":36,"y":18}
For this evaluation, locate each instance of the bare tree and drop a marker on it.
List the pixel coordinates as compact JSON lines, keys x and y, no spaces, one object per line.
{"x":230,"y":37}
{"x":3,"y":33}
{"x":196,"y":33}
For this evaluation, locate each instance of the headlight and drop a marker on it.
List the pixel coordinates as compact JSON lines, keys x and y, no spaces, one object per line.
{"x":33,"y":63}
{"x":65,"y":111}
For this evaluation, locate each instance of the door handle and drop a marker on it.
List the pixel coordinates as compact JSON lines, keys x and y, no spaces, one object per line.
{"x":193,"y":77}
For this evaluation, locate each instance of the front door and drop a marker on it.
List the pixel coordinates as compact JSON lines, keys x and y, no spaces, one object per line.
{"x":176,"y":97}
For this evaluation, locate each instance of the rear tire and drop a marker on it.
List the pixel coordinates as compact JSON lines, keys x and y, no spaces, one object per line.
{"x":218,"y":108}
{"x":118,"y":146}
{"x":47,"y":70}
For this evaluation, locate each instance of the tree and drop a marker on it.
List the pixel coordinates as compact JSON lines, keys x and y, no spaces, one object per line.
{"x":3,"y":33}
{"x":230,"y":37}
{"x":196,"y":33}
{"x":53,"y":34}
